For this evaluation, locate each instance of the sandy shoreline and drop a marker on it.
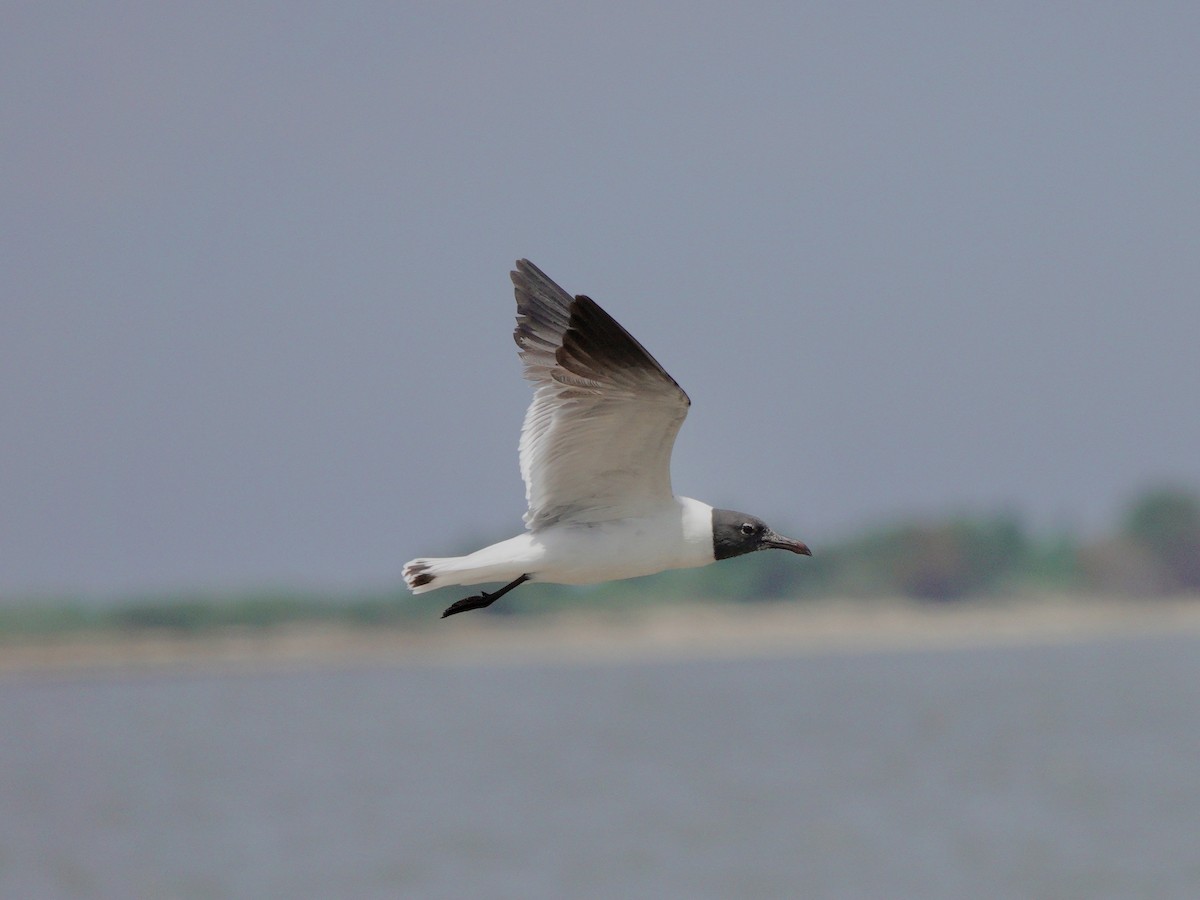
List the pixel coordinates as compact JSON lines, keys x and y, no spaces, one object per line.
{"x":671,"y":632}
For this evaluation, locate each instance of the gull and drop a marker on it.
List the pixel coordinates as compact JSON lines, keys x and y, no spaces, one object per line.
{"x":595,"y":454}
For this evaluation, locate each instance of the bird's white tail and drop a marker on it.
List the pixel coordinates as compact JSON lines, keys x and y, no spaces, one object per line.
{"x":500,"y":562}
{"x":423,"y":575}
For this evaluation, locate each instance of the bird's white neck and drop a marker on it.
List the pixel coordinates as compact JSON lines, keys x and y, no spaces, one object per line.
{"x":697,"y":525}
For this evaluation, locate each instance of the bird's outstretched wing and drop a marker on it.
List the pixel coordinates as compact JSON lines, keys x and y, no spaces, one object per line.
{"x":596,"y":443}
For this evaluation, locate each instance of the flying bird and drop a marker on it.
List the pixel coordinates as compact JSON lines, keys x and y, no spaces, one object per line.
{"x":595,"y":455}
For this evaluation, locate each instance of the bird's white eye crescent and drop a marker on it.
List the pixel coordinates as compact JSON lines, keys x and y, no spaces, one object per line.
{"x":747,"y":528}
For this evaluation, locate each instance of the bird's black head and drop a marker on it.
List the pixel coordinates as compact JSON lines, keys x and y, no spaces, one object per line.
{"x":735,"y":533}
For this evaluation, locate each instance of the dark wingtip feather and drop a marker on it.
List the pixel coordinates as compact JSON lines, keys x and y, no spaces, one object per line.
{"x":575,"y":336}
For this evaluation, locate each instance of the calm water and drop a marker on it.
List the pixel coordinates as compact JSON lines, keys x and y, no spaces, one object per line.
{"x":1028,"y":772}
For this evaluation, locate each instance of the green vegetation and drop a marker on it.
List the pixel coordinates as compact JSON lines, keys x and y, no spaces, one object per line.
{"x":197,"y":614}
{"x":1165,"y":525}
{"x":1155,"y":551}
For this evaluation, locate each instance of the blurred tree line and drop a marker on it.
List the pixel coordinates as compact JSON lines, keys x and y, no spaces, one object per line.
{"x":1154,"y":551}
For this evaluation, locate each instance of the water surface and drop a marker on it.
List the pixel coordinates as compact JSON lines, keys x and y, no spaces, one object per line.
{"x":1036,"y":771}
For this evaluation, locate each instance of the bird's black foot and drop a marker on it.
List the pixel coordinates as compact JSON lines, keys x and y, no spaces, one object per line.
{"x":479,"y":601}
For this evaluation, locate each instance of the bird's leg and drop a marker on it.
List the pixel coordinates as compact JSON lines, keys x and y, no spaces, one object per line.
{"x":479,"y":601}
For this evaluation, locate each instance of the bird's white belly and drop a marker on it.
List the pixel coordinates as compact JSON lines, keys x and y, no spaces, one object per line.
{"x":626,"y":548}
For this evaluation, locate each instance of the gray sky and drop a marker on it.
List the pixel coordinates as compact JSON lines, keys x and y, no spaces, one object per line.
{"x":256,"y":316}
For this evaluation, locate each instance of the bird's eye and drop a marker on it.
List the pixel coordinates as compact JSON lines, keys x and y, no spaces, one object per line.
{"x":747,"y":528}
